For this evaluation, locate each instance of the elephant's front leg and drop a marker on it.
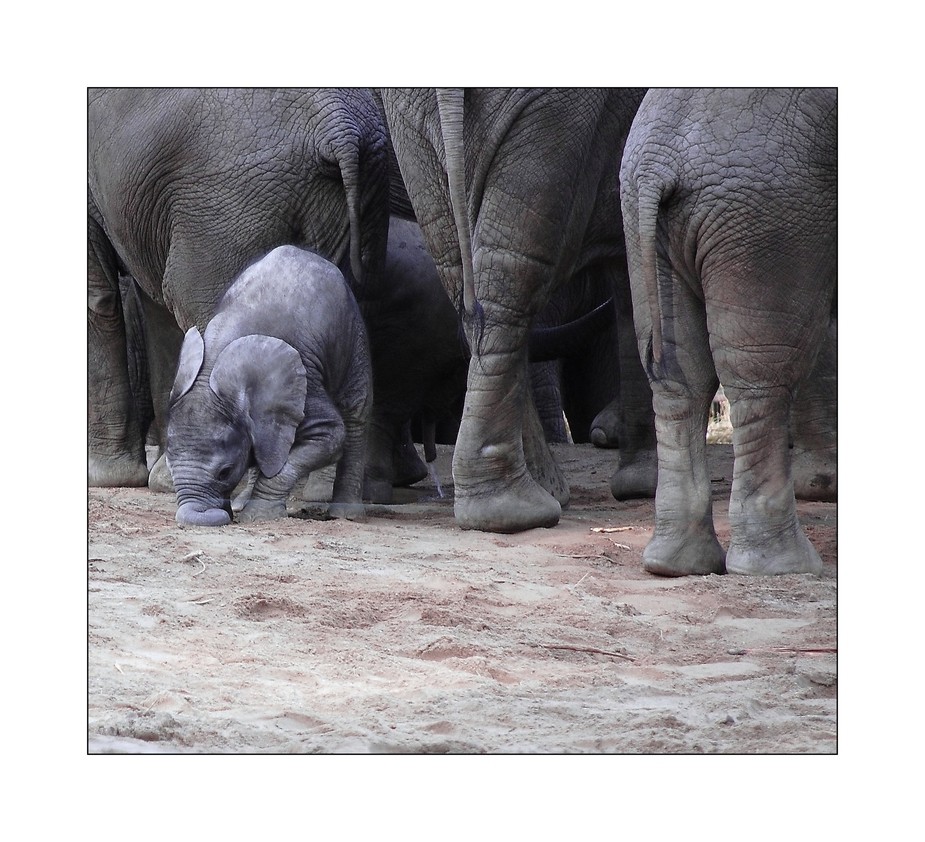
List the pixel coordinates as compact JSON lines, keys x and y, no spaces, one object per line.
{"x":318,"y":443}
{"x":494,"y":491}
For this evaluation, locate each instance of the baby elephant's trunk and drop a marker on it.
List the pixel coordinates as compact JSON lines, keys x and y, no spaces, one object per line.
{"x":189,"y":514}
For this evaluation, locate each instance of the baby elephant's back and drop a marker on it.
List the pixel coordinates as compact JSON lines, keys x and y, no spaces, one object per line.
{"x":296,"y":296}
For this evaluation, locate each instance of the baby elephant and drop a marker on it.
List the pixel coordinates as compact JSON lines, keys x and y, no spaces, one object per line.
{"x":281,"y":380}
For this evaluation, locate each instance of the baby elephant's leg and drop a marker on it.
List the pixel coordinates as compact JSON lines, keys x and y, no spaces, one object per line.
{"x":318,"y":442}
{"x":347,"y":500}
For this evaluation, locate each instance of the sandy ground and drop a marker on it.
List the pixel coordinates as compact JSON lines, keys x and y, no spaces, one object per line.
{"x":407,"y":634}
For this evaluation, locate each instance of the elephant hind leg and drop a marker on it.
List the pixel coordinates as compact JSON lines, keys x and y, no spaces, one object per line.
{"x":684,"y":542}
{"x":494,"y":489}
{"x":760,"y":373}
{"x":814,"y":426}
{"x":766,"y":535}
{"x":116,"y":455}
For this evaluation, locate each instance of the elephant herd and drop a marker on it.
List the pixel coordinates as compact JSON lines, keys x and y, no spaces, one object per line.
{"x":311,"y":270}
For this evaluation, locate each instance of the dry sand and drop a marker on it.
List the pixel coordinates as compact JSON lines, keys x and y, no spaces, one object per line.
{"x":407,"y":634}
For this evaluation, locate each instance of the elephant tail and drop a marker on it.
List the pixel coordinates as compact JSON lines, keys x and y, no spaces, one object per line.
{"x":551,"y":343}
{"x":350,"y":174}
{"x":649,"y":195}
{"x":450,"y":109}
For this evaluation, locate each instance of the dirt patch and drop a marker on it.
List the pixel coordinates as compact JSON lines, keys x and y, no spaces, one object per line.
{"x":407,"y":634}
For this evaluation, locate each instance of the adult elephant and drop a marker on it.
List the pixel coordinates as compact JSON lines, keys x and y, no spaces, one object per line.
{"x":186,"y":189}
{"x":420,"y":358}
{"x":516,"y":191}
{"x":729,"y":203}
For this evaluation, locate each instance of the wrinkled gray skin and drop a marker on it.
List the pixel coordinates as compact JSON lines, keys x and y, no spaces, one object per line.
{"x":280,"y":379}
{"x":573,"y":338}
{"x":187,"y":188}
{"x":516,"y":192}
{"x":420,"y":360}
{"x":729,"y":203}
{"x":136,"y":346}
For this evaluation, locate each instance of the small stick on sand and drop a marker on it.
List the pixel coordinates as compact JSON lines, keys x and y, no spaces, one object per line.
{"x":589,"y":649}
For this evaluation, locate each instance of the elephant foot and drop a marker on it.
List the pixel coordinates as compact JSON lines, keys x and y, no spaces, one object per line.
{"x":789,"y":553}
{"x":348,"y":511}
{"x":242,"y":493}
{"x":319,"y":487}
{"x":698,"y":555}
{"x":604,"y":428}
{"x":636,"y":477}
{"x":815,"y":477}
{"x":377,"y":490}
{"x":116,"y":472}
{"x":159,"y":479}
{"x":260,"y":509}
{"x":408,"y":468}
{"x":516,"y":508}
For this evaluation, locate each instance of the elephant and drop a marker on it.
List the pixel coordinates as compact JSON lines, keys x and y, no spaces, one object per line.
{"x":517,"y":192}
{"x":280,"y":379}
{"x":186,"y":188}
{"x":419,"y":359}
{"x":729,"y":205}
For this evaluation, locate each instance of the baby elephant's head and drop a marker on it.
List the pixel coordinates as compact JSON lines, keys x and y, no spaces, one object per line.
{"x":245,"y":412}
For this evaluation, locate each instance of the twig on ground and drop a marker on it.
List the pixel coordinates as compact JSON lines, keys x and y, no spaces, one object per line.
{"x":612,"y":528}
{"x":572,"y":587}
{"x":196,"y":556}
{"x":803,"y":650}
{"x":589,"y":649}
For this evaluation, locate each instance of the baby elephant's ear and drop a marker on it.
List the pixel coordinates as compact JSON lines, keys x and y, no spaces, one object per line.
{"x":263,"y":377}
{"x":191,"y":355}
